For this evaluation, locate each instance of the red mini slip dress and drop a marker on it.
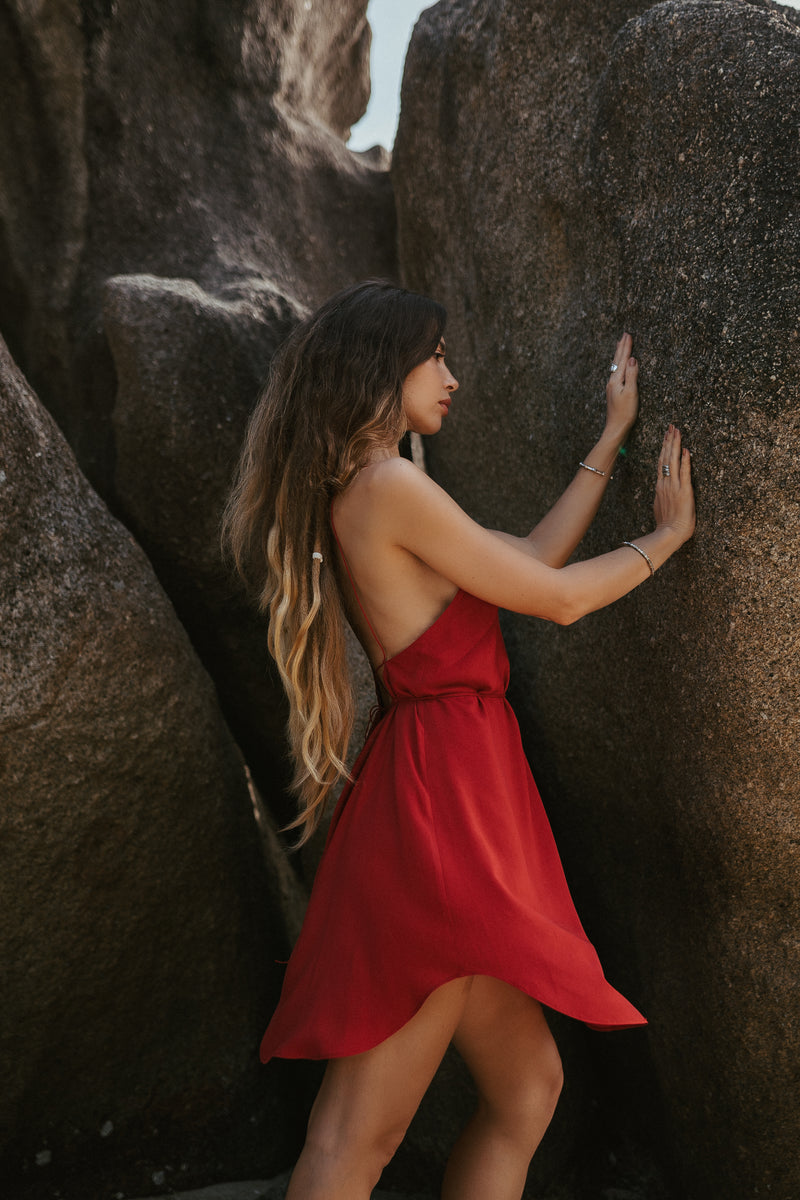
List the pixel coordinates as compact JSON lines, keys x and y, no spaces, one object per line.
{"x":439,"y":862}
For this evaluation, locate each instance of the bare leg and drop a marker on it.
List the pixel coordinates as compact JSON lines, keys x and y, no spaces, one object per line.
{"x":366,"y":1102}
{"x":504,"y":1039}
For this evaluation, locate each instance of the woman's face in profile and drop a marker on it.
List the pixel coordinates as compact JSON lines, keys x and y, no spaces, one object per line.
{"x":428,"y":392}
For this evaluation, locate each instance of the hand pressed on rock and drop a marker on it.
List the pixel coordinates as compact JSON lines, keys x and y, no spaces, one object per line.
{"x":674,"y":500}
{"x":622,"y":390}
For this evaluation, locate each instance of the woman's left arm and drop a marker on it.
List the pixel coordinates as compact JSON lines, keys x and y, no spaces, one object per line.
{"x":554,"y":539}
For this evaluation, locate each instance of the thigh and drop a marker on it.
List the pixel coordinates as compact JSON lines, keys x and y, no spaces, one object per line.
{"x":372,"y":1096}
{"x":505,"y":1041}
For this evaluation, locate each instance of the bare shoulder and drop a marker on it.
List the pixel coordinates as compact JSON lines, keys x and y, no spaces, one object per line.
{"x":410,"y":546}
{"x":394,"y":476}
{"x":392,"y":510}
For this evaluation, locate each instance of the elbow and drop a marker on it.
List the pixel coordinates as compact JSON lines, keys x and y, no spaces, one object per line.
{"x":567,"y":608}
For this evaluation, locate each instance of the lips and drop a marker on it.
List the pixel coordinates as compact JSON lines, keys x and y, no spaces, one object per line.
{"x":445,"y":404}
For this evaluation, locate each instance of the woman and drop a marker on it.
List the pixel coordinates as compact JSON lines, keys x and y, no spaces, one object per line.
{"x":440,"y":911}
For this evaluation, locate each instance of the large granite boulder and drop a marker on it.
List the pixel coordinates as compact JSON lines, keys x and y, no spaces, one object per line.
{"x":563,"y":174}
{"x":189,"y":367}
{"x":138,"y":927}
{"x":201,"y":139}
{"x":193,"y":154}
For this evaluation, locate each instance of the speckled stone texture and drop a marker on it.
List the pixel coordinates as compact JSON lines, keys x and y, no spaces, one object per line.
{"x":138,"y":933}
{"x":563,"y":173}
{"x":252,"y":1189}
{"x":174,"y":191}
{"x":193,"y":155}
{"x":200,"y":139}
{"x":272,"y":1189}
{"x":189,"y":366}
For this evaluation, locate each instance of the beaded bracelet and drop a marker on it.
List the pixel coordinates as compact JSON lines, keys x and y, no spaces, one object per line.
{"x":644,"y":555}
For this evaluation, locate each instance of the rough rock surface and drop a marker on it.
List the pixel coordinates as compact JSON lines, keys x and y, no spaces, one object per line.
{"x":137,"y":932}
{"x":563,"y":174}
{"x":272,"y":1189}
{"x":193,"y":153}
{"x":199,"y":143}
{"x":189,"y":366}
{"x":197,"y":140}
{"x":275,"y":1189}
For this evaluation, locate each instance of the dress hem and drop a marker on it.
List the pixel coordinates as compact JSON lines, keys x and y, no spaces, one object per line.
{"x":362,"y":1049}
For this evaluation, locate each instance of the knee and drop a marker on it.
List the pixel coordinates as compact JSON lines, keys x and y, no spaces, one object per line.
{"x":547,"y":1078}
{"x":339,"y":1158}
{"x":552,"y":1076}
{"x":384,"y":1147}
{"x":532,"y":1098}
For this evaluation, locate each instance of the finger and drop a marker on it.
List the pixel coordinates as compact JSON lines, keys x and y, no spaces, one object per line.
{"x":675,"y":454}
{"x":621,"y":353}
{"x":669,"y":462}
{"x":686,"y":466}
{"x":631,"y":372}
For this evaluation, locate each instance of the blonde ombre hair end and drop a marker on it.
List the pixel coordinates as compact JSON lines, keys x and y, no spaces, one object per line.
{"x":334,"y":394}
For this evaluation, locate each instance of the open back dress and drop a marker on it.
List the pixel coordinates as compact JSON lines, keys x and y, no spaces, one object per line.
{"x":439,"y":863}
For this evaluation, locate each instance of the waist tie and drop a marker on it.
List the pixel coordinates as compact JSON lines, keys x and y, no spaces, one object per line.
{"x":378,"y":712}
{"x":495,"y":695}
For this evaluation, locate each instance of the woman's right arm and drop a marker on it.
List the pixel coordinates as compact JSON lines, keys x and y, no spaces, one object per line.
{"x":419,"y":516}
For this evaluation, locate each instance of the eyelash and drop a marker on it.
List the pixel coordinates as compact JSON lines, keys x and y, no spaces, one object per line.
{"x":438,"y":354}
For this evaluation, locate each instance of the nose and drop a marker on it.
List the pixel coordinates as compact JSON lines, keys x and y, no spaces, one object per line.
{"x":451,"y":383}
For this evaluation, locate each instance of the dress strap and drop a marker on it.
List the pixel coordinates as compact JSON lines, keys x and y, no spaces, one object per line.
{"x":370,"y":626}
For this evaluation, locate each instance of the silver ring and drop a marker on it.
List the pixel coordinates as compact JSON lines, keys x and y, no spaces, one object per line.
{"x":665,"y":470}
{"x":614,"y":367}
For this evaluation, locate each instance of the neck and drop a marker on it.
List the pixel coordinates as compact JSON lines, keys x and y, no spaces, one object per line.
{"x":382,"y":453}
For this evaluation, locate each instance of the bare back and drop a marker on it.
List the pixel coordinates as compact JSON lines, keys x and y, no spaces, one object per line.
{"x":396,"y":593}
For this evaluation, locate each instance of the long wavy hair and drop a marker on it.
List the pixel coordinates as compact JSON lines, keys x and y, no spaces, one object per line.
{"x":334,"y":393}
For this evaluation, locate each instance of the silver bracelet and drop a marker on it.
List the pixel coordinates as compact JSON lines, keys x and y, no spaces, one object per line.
{"x":644,"y":555}
{"x":594,"y":470}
